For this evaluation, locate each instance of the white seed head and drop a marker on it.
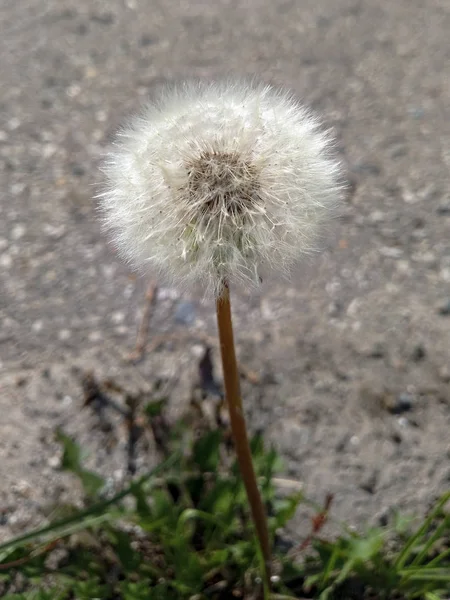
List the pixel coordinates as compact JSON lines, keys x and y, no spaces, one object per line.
{"x":213,"y":181}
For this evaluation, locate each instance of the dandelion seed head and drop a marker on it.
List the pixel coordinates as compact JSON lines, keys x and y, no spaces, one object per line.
{"x":213,"y":181}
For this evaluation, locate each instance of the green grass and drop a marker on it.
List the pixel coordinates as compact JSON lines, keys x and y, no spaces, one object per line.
{"x":182,"y":532}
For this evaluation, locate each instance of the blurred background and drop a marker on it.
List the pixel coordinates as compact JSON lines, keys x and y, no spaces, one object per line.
{"x":347,"y":364}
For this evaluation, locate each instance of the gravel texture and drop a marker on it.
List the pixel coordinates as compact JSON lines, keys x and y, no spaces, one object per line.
{"x":353,"y":353}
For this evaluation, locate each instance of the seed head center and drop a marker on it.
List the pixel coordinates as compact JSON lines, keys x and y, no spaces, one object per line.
{"x":223,"y":182}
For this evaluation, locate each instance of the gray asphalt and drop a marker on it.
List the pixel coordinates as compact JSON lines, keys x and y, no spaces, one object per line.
{"x":377,"y":73}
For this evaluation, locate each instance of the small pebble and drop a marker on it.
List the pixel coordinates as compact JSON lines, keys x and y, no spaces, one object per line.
{"x":78,"y":170}
{"x":443,"y":209}
{"x":416,"y":112}
{"x":334,"y":309}
{"x":22,"y":488}
{"x":390,"y":252}
{"x":67,"y":401}
{"x":366,"y":168}
{"x":370,"y":483}
{"x":444,"y":374}
{"x":444,"y":309}
{"x":377,"y":216}
{"x":418,"y":353}
{"x":53,"y":462}
{"x":95,"y":336}
{"x":397,"y":405}
{"x":185,"y":313}
{"x":18,"y":231}
{"x":168,"y":294}
{"x":37,"y":326}
{"x":377,"y":350}
{"x":383,"y":517}
{"x":118,"y":317}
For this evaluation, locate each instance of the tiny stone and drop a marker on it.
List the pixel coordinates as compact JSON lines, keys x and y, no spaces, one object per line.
{"x":73,"y":90}
{"x":418,"y":353}
{"x":106,"y":18}
{"x":78,"y":170}
{"x":403,"y":422}
{"x":404,"y":402}
{"x":353,"y":307}
{"x":369,"y":484}
{"x":367,"y":168}
{"x":37,"y":326}
{"x":340,"y":446}
{"x":13,"y":123}
{"x":146,"y":40}
{"x":427,"y":258}
{"x":67,"y":401}
{"x":118,"y":317}
{"x":185,"y":313}
{"x":417,"y":112}
{"x":443,"y":209}
{"x":17,"y":188}
{"x":91,"y":72}
{"x":168,"y":294}
{"x":377,"y":216}
{"x":403,"y":266}
{"x":22,"y":488}
{"x":95,"y":336}
{"x":118,"y":475}
{"x":444,"y":374}
{"x":390,"y":252}
{"x":444,"y":274}
{"x":377,"y":350}
{"x":444,"y":309}
{"x":54,"y":231}
{"x":398,"y":150}
{"x":396,"y":437}
{"x":324,"y":384}
{"x":64,"y":334}
{"x":397,"y":405}
{"x":18,"y":231}
{"x":109,"y":271}
{"x":334,"y":309}
{"x":198,"y":350}
{"x":128,"y":291}
{"x":101,"y":116}
{"x":53,"y":462}
{"x":48,"y":150}
{"x":5,"y":261}
{"x":383,"y":517}
{"x":409,"y":197}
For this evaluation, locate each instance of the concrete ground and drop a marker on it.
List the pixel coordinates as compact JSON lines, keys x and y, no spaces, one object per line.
{"x":353,"y":352}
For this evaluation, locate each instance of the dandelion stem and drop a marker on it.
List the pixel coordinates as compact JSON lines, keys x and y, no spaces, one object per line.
{"x":238,"y":426}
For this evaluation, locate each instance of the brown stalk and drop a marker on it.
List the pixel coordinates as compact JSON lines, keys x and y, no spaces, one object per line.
{"x":238,"y":426}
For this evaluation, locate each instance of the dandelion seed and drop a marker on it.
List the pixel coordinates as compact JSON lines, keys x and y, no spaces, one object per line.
{"x":215,"y":181}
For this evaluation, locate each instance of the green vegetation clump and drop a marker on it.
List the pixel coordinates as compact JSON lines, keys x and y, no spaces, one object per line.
{"x":182,"y":532}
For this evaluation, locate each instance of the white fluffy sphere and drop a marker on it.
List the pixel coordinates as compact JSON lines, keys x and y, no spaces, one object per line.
{"x":214,"y":180}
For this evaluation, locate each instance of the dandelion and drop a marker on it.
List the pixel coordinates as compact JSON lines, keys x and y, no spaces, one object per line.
{"x":209,"y":185}
{"x":215,"y":181}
